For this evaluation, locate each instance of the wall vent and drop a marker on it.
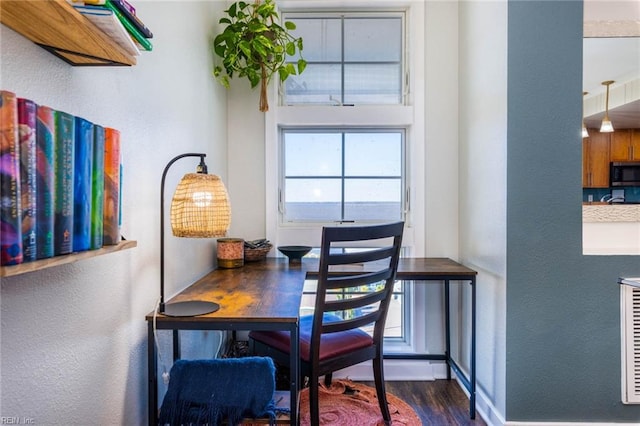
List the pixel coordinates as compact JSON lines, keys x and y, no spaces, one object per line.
{"x":630,"y":326}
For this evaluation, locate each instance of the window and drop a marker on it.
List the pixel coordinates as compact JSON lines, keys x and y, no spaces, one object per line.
{"x":343,"y":144}
{"x":353,"y":59}
{"x":342,"y":175}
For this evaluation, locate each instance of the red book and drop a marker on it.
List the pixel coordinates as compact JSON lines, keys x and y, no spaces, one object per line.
{"x":111,"y":202}
{"x":10,"y":202}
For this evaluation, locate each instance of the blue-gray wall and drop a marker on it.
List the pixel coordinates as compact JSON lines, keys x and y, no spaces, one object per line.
{"x":563,"y":313}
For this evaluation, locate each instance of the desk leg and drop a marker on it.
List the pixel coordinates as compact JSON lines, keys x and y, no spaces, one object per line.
{"x":176,"y":345}
{"x":294,"y":373}
{"x":153,"y":374}
{"x":447,"y":322}
{"x":472,"y":391}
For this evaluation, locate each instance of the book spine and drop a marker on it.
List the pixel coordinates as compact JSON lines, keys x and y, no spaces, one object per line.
{"x":126,"y":11}
{"x":82,"y":183}
{"x":45,"y":184}
{"x":137,"y":35}
{"x":27,"y":135}
{"x":63,"y":171}
{"x":97,"y":188}
{"x":111,"y":206}
{"x":10,"y":207}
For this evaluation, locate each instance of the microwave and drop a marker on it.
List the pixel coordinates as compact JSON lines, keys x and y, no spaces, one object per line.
{"x":626,"y":173}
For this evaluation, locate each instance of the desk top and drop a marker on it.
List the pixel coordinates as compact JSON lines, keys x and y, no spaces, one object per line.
{"x":272,"y":289}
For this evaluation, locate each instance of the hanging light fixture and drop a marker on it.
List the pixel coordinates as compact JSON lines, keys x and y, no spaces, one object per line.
{"x":606,"y":126}
{"x":585,"y":133}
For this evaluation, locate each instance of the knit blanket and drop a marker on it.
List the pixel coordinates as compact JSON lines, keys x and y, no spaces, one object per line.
{"x":206,"y":392}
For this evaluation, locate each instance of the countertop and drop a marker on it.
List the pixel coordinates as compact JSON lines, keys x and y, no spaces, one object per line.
{"x":600,"y":212}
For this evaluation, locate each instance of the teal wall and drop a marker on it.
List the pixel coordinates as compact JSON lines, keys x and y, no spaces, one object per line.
{"x":563,"y":314}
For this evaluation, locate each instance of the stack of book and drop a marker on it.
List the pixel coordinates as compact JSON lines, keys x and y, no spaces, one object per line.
{"x":118,"y":20}
{"x":60,"y":182}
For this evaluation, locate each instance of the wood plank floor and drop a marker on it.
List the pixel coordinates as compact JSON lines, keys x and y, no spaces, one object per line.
{"x":438,"y":402}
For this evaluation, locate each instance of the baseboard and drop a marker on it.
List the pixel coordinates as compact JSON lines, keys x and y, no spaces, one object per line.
{"x":397,"y":370}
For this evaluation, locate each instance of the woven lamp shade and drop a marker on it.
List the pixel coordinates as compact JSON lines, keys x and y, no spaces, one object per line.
{"x":200,"y":207}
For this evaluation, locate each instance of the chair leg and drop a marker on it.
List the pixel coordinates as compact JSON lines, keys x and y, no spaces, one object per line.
{"x":327,"y":379}
{"x":378,"y":375}
{"x":314,"y":402}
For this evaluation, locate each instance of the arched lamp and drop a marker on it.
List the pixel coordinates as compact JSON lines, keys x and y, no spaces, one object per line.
{"x":199,"y":209}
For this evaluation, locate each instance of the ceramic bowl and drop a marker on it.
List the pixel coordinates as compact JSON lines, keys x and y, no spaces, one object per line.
{"x":294,"y":253}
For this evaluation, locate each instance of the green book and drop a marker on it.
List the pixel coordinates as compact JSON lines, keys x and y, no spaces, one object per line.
{"x":64,"y":153}
{"x":97,"y":187}
{"x":137,"y":35}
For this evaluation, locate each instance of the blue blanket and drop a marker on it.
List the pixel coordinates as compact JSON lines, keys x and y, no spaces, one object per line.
{"x":206,"y":392}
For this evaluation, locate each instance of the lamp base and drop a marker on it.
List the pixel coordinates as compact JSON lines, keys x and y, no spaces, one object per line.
{"x":189,"y":308}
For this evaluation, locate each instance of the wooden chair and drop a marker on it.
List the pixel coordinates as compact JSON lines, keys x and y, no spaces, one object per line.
{"x":332,"y":338}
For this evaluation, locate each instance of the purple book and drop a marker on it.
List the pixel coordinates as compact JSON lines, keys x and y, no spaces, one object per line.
{"x":27,"y":135}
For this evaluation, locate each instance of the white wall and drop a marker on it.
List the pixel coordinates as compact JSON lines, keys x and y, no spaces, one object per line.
{"x":483,"y":167}
{"x":74,"y":337}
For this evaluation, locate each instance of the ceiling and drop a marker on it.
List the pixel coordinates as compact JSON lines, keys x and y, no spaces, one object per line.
{"x":609,"y":57}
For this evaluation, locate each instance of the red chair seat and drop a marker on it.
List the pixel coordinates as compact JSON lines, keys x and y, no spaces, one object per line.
{"x":331,"y":345}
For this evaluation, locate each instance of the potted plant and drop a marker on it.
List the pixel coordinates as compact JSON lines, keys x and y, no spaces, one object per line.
{"x":254,"y":45}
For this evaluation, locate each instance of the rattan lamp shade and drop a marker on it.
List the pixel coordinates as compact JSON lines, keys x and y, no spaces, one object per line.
{"x":200,"y":207}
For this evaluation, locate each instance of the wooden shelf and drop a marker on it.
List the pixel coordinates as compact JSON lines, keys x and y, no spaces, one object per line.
{"x":9,"y":271}
{"x":57,"y":27}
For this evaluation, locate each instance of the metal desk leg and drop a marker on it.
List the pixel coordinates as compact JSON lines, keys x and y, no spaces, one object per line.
{"x":294,"y":373}
{"x":447,"y":322}
{"x":472,"y":391}
{"x":153,"y":374}
{"x":176,"y":345}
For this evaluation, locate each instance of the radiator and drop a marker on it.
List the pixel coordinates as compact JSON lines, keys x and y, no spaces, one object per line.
{"x":630,"y":327}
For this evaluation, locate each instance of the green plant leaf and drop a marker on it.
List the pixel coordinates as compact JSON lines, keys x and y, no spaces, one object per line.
{"x":289,"y":25}
{"x":291,"y":48}
{"x":302,"y":65}
{"x":232,"y":10}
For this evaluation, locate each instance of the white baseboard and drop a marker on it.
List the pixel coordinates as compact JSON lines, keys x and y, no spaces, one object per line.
{"x":397,"y":370}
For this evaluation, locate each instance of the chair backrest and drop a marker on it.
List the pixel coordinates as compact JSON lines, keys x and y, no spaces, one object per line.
{"x":355,"y":283}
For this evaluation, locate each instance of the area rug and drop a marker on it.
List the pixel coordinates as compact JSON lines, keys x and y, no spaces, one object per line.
{"x":346,"y":403}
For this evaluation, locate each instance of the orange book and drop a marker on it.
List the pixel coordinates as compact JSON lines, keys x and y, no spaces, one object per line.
{"x":111,"y":201}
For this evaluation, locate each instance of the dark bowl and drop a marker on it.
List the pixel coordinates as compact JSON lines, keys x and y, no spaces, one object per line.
{"x":294,"y":253}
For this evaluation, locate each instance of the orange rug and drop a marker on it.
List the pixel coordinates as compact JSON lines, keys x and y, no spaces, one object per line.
{"x":347,"y":403}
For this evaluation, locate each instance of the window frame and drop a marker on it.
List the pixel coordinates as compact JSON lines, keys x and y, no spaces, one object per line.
{"x":404,"y":201}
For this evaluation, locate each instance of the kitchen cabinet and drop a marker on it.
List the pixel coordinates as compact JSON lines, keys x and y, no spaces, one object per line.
{"x":625,"y":145}
{"x":595,"y":160}
{"x":57,"y":27}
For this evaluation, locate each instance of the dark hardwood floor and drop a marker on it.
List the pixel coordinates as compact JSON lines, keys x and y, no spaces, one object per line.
{"x":438,"y":402}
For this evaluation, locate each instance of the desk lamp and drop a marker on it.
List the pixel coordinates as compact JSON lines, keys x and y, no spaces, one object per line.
{"x":199,"y":209}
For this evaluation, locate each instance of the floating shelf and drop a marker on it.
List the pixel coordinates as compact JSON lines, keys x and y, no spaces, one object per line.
{"x":23,"y":268}
{"x":57,"y":27}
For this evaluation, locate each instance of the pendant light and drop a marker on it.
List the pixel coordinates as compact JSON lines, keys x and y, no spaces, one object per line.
{"x":606,"y":126}
{"x":585,"y":133}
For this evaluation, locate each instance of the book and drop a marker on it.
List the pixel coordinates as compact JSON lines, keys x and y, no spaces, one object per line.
{"x":27,"y":137}
{"x":111,"y":203}
{"x":10,"y":202}
{"x":64,"y":142}
{"x":97,"y":188}
{"x":107,"y":22}
{"x":45,"y":185}
{"x":82,"y":182}
{"x":125,"y":9}
{"x":135,"y":33}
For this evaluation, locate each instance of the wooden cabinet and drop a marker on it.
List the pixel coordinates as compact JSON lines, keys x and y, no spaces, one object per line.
{"x":625,"y":145}
{"x":57,"y":27}
{"x":595,"y":160}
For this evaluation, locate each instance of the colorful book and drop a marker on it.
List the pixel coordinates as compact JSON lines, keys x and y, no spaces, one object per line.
{"x":135,"y":33}
{"x":126,"y":10}
{"x":82,"y":183}
{"x":111,"y":207}
{"x":10,"y":205}
{"x":97,"y":188}
{"x":27,"y":135}
{"x":45,"y":188}
{"x":64,"y":142}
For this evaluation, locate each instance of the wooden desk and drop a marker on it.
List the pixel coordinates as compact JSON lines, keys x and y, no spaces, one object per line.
{"x":258,"y":296}
{"x":266,"y":296}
